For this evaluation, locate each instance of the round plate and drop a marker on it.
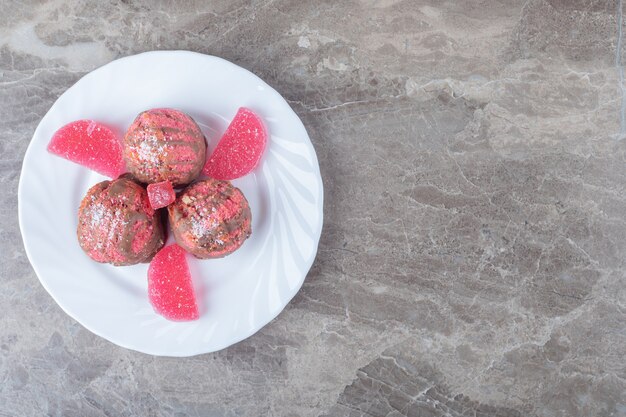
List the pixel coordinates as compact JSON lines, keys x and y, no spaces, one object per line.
{"x":238,"y":294}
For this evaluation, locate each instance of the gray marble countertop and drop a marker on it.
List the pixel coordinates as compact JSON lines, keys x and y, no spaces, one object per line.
{"x":472,"y":257}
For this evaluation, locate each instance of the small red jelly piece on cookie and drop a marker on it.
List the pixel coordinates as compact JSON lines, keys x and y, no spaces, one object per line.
{"x":240,"y":149}
{"x":169,"y":285}
{"x":161,"y":194}
{"x":90,"y":144}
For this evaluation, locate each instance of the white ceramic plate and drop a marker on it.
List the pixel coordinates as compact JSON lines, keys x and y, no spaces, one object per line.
{"x":238,"y":294}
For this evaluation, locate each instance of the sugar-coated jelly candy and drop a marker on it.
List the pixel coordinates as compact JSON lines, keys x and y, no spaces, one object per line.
{"x":161,"y":194}
{"x":90,"y":144}
{"x":240,"y":149}
{"x":170,"y":288}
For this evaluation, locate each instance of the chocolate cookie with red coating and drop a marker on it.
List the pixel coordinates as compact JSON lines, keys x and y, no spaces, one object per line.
{"x":210,"y":219}
{"x":164,"y":145}
{"x":116,"y":224}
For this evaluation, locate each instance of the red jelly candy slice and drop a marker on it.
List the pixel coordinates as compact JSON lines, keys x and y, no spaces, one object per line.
{"x":89,"y":144}
{"x":240,"y":149}
{"x":169,"y":285}
{"x":161,"y":194}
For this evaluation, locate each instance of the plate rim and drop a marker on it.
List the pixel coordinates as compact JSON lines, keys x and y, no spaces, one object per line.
{"x":291,"y":293}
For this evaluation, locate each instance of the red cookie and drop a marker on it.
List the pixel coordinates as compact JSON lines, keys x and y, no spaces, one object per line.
{"x":117,"y":225}
{"x":210,"y":219}
{"x":164,"y":145}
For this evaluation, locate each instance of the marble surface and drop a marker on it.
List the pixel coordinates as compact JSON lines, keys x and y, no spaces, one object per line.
{"x":472,"y":258}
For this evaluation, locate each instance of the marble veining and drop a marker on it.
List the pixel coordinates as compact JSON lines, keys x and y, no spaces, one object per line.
{"x":472,"y":257}
{"x":620,"y":69}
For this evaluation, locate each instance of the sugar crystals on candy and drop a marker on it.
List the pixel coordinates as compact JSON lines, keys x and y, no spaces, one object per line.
{"x":169,"y":285}
{"x":161,"y":194}
{"x":90,"y":144}
{"x":240,"y":149}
